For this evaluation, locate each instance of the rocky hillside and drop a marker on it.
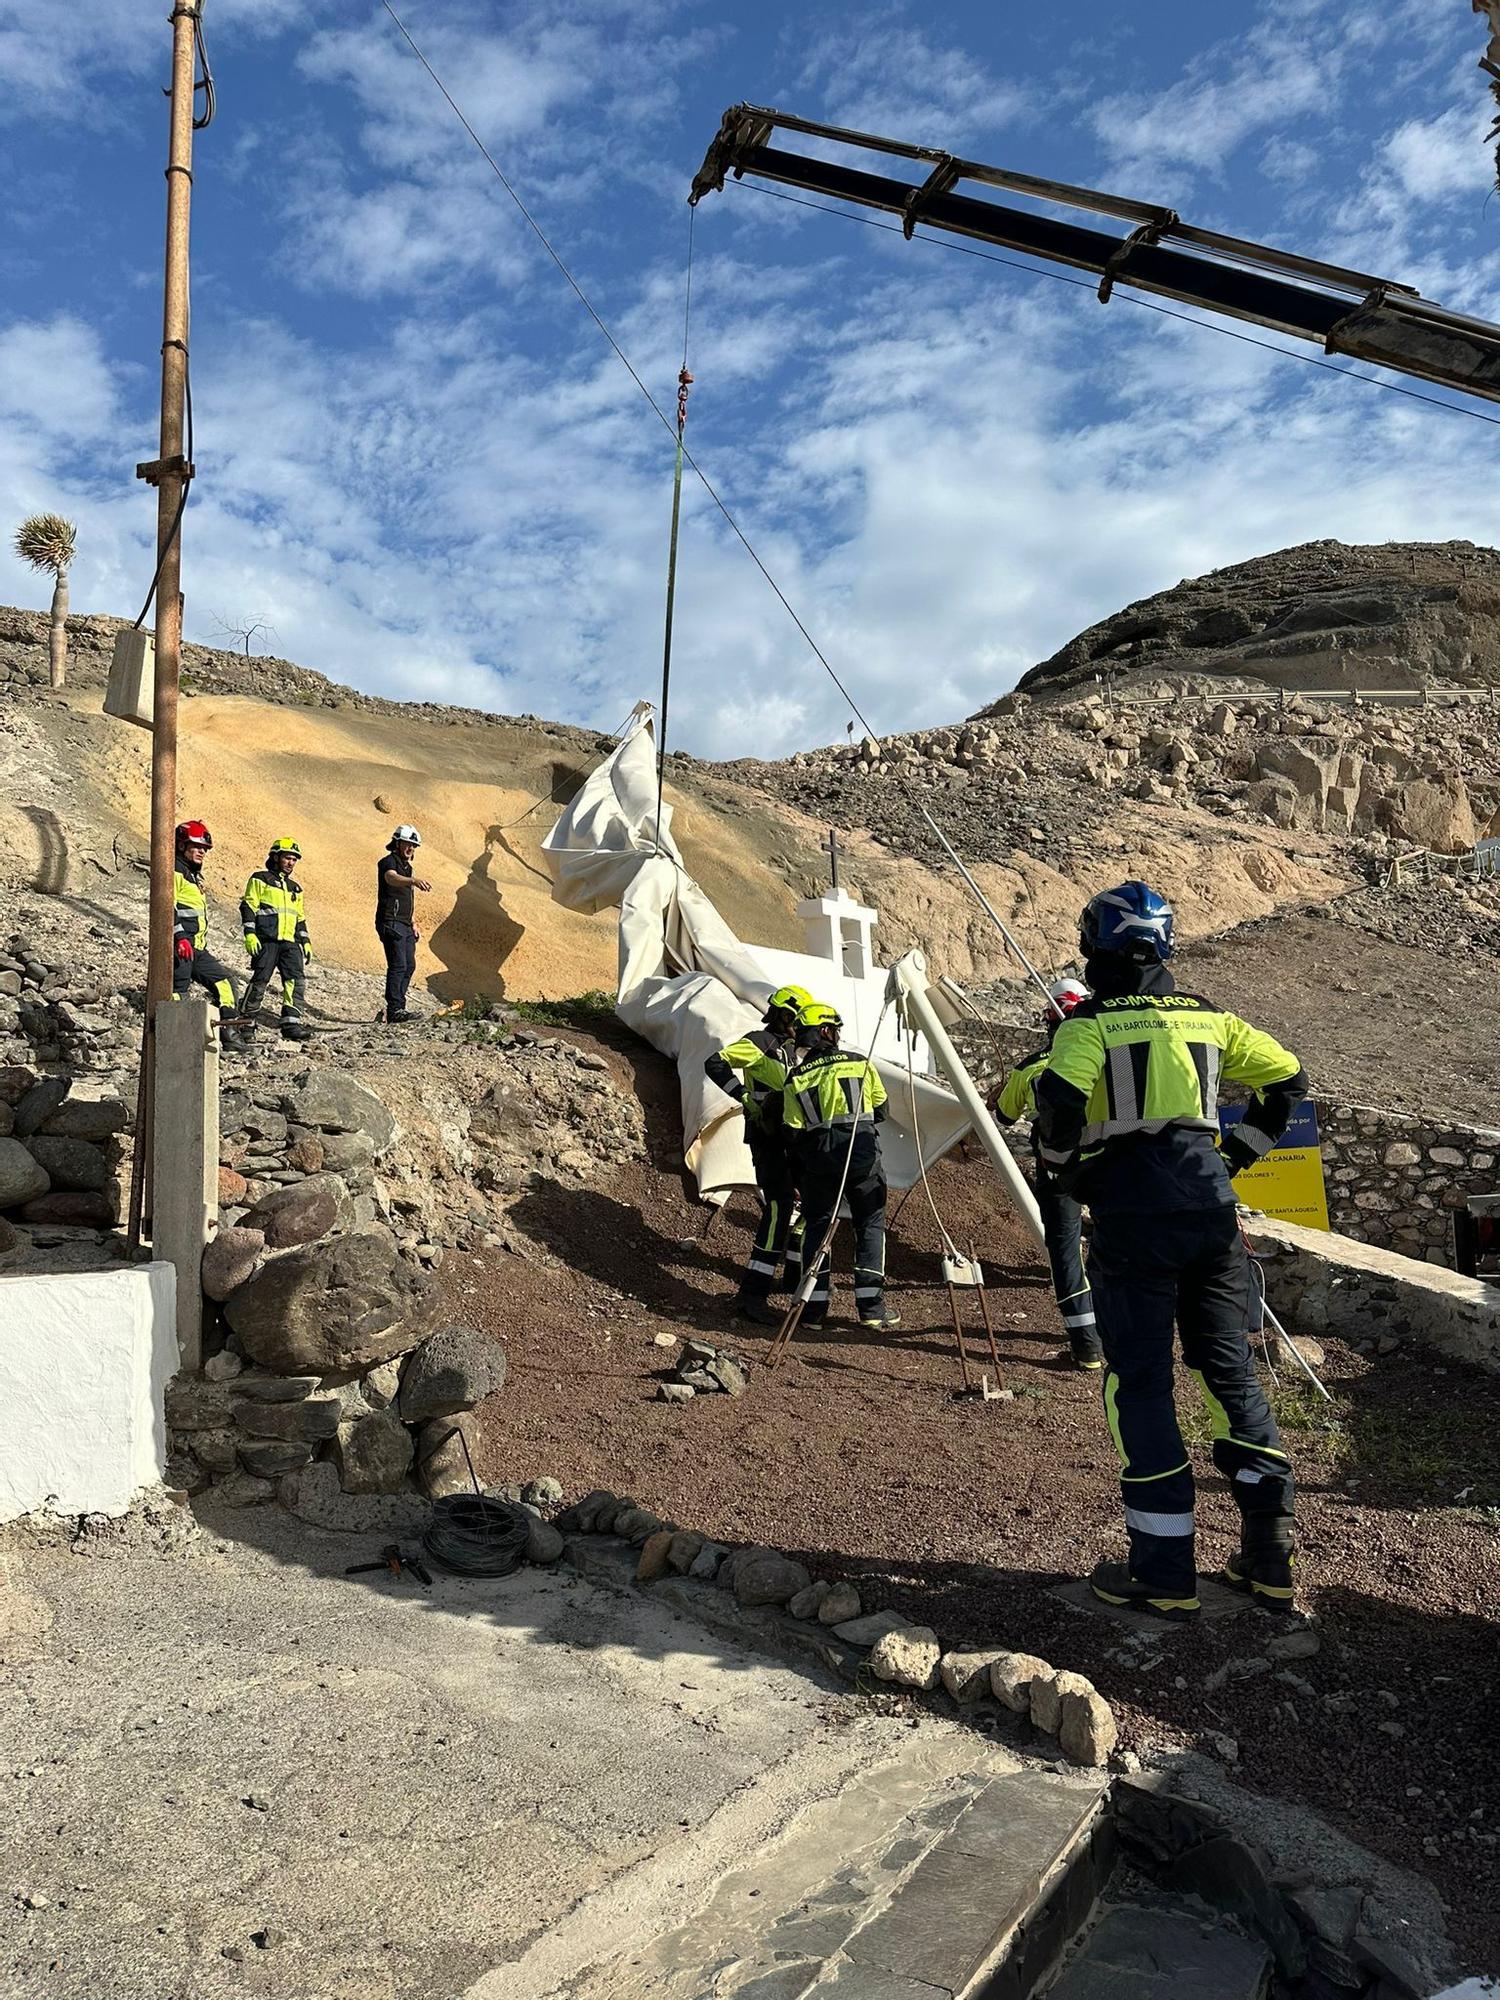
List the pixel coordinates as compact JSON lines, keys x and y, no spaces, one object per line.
{"x":1322,"y":615}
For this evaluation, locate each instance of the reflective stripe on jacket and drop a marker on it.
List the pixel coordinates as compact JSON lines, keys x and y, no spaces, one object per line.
{"x":1144,"y":1067}
{"x":829,"y":1093}
{"x":271,"y":909}
{"x":753,"y":1072}
{"x":189,"y":910}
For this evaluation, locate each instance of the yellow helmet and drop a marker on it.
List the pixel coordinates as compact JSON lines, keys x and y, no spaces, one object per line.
{"x":789,"y":999}
{"x":819,"y":1025}
{"x":286,"y":845}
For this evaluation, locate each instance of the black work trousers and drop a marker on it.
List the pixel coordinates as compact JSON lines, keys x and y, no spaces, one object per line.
{"x":776,"y":1181}
{"x":820,"y":1166}
{"x":1189,"y":1266}
{"x":399,"y":942}
{"x":283,"y":956}
{"x":203,"y":969}
{"x":1062,"y":1225}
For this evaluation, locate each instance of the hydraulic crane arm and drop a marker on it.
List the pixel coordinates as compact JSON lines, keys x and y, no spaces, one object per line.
{"x":1345,"y":312}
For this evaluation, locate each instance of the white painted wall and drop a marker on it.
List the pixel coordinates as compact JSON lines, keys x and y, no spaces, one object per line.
{"x":84,"y":1364}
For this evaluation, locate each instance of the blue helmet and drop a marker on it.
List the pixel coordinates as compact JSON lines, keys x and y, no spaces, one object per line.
{"x":1131,"y":919}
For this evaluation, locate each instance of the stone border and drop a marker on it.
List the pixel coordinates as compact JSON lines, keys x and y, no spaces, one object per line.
{"x":1330,"y":1941}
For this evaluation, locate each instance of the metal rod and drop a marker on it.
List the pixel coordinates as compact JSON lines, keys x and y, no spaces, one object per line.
{"x":984,"y":1314}
{"x":172,"y":478}
{"x":988,"y":907}
{"x":958,"y":1338}
{"x":1293,"y":1349}
{"x":909,"y":978}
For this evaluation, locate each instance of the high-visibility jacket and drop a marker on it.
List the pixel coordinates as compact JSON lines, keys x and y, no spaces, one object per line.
{"x":189,"y":910}
{"x":1128,"y":1103}
{"x":1017,"y":1098}
{"x":753,"y":1072}
{"x":829,"y":1093}
{"x":271,"y":909}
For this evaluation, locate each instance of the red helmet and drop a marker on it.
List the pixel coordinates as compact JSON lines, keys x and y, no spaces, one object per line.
{"x":193,"y":832}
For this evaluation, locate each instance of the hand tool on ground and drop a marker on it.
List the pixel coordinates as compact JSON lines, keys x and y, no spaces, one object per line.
{"x":393,"y":1559}
{"x":967,"y":1274}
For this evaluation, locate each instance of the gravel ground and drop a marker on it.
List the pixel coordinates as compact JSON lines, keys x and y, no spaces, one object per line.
{"x":855,"y":1456}
{"x":1377,"y":1019}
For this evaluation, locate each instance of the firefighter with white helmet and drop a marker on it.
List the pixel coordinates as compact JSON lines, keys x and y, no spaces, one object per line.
{"x":395,"y":920}
{"x":1062,"y":1217}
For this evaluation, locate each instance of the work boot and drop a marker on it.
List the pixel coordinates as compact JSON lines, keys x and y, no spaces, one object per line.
{"x":1112,"y":1583}
{"x":232,"y":1040}
{"x":296,"y":1031}
{"x":750,"y":1306}
{"x":880,"y":1317}
{"x":396,"y":1016}
{"x":1264,"y":1567}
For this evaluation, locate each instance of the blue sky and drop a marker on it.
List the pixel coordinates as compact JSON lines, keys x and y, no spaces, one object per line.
{"x":421,"y":466}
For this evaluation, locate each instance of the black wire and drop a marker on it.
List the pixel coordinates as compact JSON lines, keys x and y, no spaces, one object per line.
{"x":206,"y":81}
{"x":182,"y":498}
{"x":1126,"y":298}
{"x":475,"y":1536}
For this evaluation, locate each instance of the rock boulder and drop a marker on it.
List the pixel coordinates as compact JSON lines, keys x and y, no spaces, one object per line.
{"x":452,"y":1371}
{"x":302,"y":1212}
{"x":22,"y":1178}
{"x":229,"y":1260}
{"x":71,"y":1163}
{"x":332,"y":1102}
{"x":373,"y":1454}
{"x":329,"y":1308}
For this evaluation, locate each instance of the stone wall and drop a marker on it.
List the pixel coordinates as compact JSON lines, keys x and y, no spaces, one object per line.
{"x":1395,"y":1182}
{"x":1322,"y":1282}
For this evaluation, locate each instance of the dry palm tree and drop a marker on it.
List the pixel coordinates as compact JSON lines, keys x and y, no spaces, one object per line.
{"x":46,"y":541}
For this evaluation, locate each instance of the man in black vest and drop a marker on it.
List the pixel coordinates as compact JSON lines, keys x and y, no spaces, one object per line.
{"x":394,"y":922}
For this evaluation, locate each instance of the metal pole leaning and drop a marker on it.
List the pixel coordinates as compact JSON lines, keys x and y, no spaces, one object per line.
{"x":170,"y":473}
{"x":986,"y":905}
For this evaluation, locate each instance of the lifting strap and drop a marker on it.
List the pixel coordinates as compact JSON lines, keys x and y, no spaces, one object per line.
{"x":684,"y":383}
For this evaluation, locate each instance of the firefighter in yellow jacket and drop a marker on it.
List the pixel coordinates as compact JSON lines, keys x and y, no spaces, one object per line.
{"x":275,"y":926}
{"x":192,"y":961}
{"x":752,"y":1070}
{"x":833,"y":1102}
{"x":1127,"y":1120}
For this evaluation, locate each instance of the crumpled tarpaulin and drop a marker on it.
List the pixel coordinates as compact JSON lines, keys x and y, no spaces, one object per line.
{"x":686,"y":982}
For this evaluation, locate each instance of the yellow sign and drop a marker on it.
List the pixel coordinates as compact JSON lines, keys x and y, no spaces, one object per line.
{"x":1288,"y":1182}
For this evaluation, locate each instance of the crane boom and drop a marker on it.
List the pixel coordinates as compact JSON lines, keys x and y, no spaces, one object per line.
{"x":1346,"y":312}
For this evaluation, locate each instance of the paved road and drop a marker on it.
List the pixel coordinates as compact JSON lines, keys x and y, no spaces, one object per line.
{"x":234,"y":1771}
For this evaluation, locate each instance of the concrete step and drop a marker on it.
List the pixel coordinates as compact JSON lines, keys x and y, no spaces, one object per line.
{"x":951,"y":1873}
{"x":1139,"y":1953}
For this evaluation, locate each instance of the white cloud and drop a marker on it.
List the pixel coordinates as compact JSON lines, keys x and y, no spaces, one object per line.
{"x":1442,"y":156}
{"x":875,"y":72}
{"x":63,"y":54}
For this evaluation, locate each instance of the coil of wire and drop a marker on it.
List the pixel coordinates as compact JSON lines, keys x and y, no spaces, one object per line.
{"x":475,"y":1536}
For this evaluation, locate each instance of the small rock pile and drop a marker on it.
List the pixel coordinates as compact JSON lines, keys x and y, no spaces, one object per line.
{"x":702,"y":1370}
{"x":1025,"y":776}
{"x":332,"y":1352}
{"x":59,"y":1162}
{"x":395,"y":1427}
{"x":1058,"y":1703}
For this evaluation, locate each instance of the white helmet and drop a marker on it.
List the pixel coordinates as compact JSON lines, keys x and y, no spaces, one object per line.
{"x":407,"y":833}
{"x":1065,"y":995}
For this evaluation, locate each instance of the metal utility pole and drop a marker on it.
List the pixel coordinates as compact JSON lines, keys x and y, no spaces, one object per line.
{"x":170,"y":474}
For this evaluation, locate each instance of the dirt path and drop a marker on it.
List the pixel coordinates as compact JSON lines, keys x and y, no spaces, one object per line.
{"x":855,"y":1456}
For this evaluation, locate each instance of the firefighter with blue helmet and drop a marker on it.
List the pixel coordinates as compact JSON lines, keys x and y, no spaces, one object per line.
{"x":1127,"y":1119}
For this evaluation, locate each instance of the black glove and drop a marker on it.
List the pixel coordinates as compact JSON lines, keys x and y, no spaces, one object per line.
{"x":1236,"y":1155}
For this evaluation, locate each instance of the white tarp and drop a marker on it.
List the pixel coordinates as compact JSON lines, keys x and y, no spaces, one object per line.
{"x":686,"y":982}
